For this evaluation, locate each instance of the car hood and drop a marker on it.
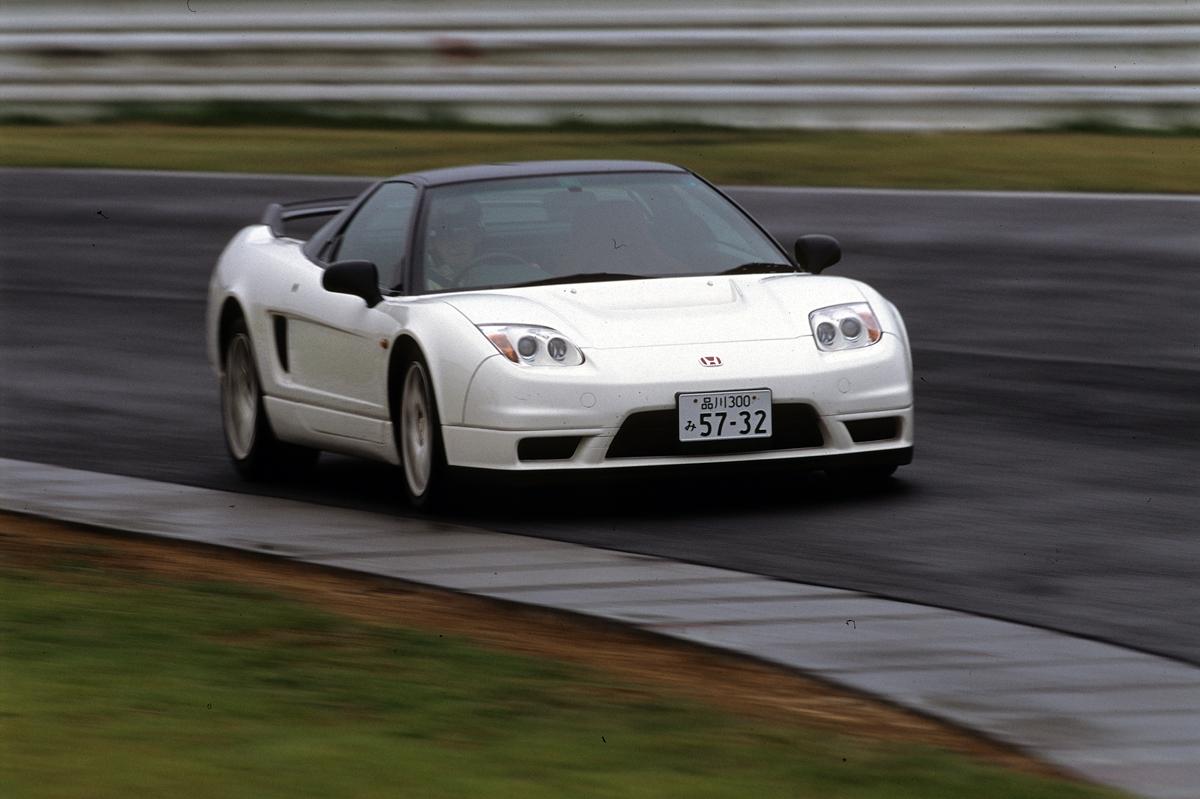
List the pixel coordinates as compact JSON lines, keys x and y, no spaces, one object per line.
{"x":664,"y":311}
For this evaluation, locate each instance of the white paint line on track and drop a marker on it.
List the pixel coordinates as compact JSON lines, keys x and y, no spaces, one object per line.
{"x":818,"y":190}
{"x":1045,"y":692}
{"x":980,"y":194}
{"x":167,"y":173}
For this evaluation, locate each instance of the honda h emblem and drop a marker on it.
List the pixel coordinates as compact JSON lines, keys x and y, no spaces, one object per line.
{"x":710,"y":360}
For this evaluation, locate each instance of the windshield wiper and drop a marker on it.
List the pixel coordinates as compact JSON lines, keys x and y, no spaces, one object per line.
{"x":583,"y":277}
{"x":758,"y":266}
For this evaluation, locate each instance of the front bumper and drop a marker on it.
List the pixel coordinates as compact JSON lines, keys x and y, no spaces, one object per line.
{"x":579,"y":411}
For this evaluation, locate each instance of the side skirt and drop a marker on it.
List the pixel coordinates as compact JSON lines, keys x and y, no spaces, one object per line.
{"x":334,"y":431}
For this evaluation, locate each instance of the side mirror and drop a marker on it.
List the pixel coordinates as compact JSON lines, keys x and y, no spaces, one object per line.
{"x":816,"y":253}
{"x":358,"y":278}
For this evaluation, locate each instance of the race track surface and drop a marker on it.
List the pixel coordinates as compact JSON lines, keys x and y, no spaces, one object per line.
{"x":1057,"y":349}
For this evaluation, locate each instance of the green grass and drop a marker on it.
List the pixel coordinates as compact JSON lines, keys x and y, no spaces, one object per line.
{"x":1057,"y":160}
{"x":118,"y":684}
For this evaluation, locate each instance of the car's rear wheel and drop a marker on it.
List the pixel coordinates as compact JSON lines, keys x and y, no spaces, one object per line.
{"x":255,"y":451}
{"x":419,"y":436}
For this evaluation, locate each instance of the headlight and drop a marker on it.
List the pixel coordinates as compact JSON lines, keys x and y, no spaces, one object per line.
{"x":845,"y":327}
{"x":533,"y":346}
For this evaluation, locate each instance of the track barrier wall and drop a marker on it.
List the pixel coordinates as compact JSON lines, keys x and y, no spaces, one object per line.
{"x":879,"y":64}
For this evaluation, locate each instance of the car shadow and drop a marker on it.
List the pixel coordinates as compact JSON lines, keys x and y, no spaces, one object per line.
{"x":486,"y":499}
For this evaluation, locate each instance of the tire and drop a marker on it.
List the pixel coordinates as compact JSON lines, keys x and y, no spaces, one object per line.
{"x":418,"y":434}
{"x":255,"y":451}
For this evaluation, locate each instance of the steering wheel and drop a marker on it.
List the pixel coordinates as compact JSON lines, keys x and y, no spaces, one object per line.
{"x":495,"y":258}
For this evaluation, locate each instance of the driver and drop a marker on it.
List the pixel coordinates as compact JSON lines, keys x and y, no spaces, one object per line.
{"x":452,"y":241}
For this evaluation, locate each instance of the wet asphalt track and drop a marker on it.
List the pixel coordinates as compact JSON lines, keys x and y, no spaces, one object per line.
{"x":1057,"y":479}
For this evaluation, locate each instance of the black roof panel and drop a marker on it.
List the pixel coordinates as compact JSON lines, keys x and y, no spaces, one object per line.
{"x":529,"y":169}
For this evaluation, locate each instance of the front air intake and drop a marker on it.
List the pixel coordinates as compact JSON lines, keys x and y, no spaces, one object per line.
{"x":651,"y":434}
{"x":882,"y":428}
{"x":548,"y":448}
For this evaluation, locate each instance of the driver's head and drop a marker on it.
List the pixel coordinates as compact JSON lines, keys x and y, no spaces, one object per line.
{"x":454,"y":231}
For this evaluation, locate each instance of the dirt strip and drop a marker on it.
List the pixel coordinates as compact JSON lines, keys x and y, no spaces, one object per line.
{"x":731,"y":682}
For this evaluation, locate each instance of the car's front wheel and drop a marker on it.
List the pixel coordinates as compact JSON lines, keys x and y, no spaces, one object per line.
{"x":419,"y":438}
{"x":256,"y":453}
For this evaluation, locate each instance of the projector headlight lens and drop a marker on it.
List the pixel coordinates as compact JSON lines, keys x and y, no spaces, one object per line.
{"x":527,"y":346}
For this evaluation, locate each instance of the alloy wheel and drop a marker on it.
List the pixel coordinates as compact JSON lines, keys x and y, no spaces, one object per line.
{"x":417,"y":432}
{"x":239,"y":397}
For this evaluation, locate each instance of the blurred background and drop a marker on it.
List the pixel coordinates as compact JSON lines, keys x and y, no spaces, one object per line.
{"x":1055,"y":341}
{"x":877,"y":64}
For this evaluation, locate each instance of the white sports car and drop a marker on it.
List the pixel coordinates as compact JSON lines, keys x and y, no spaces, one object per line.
{"x":550,"y":316}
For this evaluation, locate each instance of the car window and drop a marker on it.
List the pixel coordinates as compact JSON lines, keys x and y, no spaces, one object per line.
{"x":686,"y":209}
{"x":379,"y":230}
{"x":512,"y":231}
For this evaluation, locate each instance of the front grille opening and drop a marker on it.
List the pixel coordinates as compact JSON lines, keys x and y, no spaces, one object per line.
{"x":548,"y":448}
{"x":882,"y":428}
{"x":651,"y":434}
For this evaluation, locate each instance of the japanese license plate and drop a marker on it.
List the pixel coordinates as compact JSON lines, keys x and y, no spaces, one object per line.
{"x":725,"y":415}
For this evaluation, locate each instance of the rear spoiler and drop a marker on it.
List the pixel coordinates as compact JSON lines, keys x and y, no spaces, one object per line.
{"x":276,"y":214}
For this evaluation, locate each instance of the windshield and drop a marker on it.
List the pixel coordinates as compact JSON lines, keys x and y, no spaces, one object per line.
{"x":582,"y":227}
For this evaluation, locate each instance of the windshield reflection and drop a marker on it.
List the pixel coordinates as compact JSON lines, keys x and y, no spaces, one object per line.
{"x":567,"y":228}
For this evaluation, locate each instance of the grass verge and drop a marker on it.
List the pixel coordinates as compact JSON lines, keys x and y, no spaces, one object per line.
{"x":138,"y":668}
{"x":1043,"y":161}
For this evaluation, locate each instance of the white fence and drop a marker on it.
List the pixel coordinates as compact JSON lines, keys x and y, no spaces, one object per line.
{"x":875,"y":64}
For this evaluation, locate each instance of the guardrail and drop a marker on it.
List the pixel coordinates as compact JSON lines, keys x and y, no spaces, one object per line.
{"x":877,"y":64}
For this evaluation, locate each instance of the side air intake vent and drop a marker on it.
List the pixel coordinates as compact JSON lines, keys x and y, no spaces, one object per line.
{"x":281,"y":348}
